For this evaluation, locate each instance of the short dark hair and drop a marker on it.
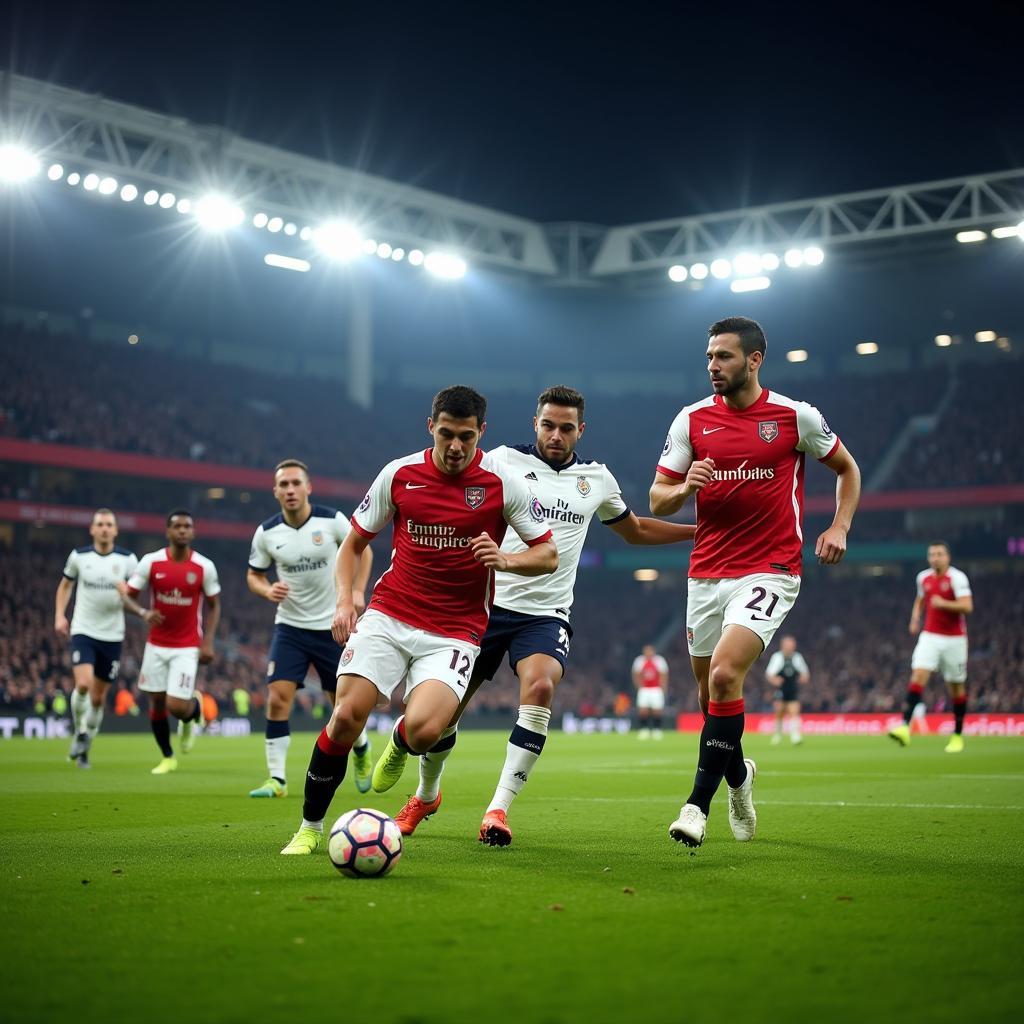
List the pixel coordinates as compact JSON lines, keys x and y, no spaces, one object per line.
{"x":287,"y":463}
{"x":179,"y":512}
{"x":939,"y":544}
{"x":104,"y":512}
{"x":561,"y":394}
{"x":460,"y":402}
{"x":749,"y":331}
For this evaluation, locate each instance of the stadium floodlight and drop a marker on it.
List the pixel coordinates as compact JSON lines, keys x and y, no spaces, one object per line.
{"x":1009,"y":231}
{"x":398,"y":254}
{"x":56,"y":172}
{"x":721,"y":268}
{"x":260,"y":220}
{"x":1020,"y":229}
{"x":167,"y":200}
{"x":17,"y":164}
{"x":966,"y":237}
{"x":370,"y":246}
{"x":215,"y":212}
{"x":813,"y":256}
{"x":797,"y":355}
{"x":183,"y":205}
{"x":943,"y":340}
{"x":1004,"y":344}
{"x":645,"y":575}
{"x":108,"y":186}
{"x":290,"y":229}
{"x":74,"y":178}
{"x":151,"y":197}
{"x":769,"y":261}
{"x":985,"y":336}
{"x":91,"y":182}
{"x":747,"y":264}
{"x":339,"y":240}
{"x":416,"y":257}
{"x":273,"y":259}
{"x":446,"y":265}
{"x":751,"y":284}
{"x":866,"y":348}
{"x":275,"y":224}
{"x":699,"y":271}
{"x":794,"y":258}
{"x":129,"y":193}
{"x":306,"y":234}
{"x":384,"y":251}
{"x":678,"y":273}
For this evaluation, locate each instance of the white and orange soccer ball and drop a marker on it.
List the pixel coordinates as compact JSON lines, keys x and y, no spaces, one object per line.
{"x":364,"y":843}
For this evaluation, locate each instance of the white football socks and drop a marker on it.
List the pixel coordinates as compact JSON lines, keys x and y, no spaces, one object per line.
{"x":93,"y":720}
{"x":80,"y":705}
{"x":277,"y":756}
{"x":530,"y":731}
{"x":432,"y":767}
{"x":364,"y":738}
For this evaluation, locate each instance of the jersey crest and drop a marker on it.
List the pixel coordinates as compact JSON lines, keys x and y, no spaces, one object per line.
{"x":583,"y":485}
{"x":475,"y":496}
{"x":768,"y":430}
{"x":318,"y":537}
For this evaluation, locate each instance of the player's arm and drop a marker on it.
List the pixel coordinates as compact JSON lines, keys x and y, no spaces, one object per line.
{"x":915,"y":615}
{"x":831,"y":545}
{"x":63,"y":596}
{"x":362,"y":579}
{"x":256,"y":580}
{"x":347,"y":567}
{"x":772,"y":671}
{"x":150,"y":616}
{"x":669,"y":494}
{"x":634,"y":529}
{"x":539,"y":558}
{"x":210,"y":623}
{"x":963,"y":605}
{"x":804,"y":676}
{"x":663,"y":679}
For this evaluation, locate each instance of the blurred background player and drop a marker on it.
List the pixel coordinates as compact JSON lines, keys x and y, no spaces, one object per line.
{"x":99,"y":571}
{"x":650,"y":677}
{"x":302,"y":543}
{"x":740,"y":454}
{"x":179,"y":579}
{"x":451,"y":506}
{"x":944,"y":593}
{"x":787,"y":671}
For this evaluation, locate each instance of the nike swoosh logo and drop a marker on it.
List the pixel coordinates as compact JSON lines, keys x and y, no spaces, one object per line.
{"x":712,"y":430}
{"x":160,"y":575}
{"x":277,"y":547}
{"x":414,"y":487}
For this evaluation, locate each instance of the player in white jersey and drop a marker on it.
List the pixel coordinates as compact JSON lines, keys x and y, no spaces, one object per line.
{"x":99,"y":571}
{"x":787,"y":671}
{"x":302,"y":544}
{"x":530,"y":619}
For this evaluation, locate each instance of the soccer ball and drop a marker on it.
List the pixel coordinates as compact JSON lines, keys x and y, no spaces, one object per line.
{"x":364,"y":843}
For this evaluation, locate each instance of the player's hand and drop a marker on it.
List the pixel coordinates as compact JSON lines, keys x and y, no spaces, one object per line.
{"x":206,"y":654}
{"x":278,"y":591}
{"x":486,"y":552}
{"x":914,"y":627}
{"x":152,"y":617}
{"x":359,"y":601}
{"x":940,"y":603}
{"x":344,"y":623}
{"x":62,"y":626}
{"x":831,"y":546}
{"x":699,"y":475}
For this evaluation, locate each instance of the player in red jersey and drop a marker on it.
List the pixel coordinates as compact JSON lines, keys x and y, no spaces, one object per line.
{"x":944,"y":593}
{"x":451,"y":506}
{"x":650,"y":678}
{"x":740,"y":454}
{"x":179,"y":578}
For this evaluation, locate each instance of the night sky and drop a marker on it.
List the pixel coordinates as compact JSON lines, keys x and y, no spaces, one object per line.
{"x":570,"y":113}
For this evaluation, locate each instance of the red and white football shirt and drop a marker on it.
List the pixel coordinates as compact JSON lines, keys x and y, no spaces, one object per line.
{"x":178,"y":589}
{"x":952,"y":584}
{"x":650,"y":671}
{"x":749,"y":518}
{"x":434,"y":583}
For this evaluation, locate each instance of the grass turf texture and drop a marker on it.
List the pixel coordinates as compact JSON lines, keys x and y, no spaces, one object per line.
{"x":884,"y":884}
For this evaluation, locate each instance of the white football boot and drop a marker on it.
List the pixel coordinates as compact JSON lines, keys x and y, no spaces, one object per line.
{"x":742,"y":816}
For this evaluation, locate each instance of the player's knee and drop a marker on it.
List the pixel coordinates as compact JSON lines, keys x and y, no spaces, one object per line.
{"x":724,"y":682}
{"x":538,"y":692}
{"x":344,"y":722}
{"x":278,"y":705}
{"x":178,"y":707}
{"x":422,"y":734}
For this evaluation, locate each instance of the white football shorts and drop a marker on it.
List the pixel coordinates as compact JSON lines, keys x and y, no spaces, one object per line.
{"x":387,"y":651}
{"x":937,"y":652}
{"x":650,"y":698}
{"x":170,"y":670}
{"x":760,"y":602}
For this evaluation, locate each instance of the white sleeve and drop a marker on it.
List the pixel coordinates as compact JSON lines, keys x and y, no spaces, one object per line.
{"x":377,"y":508}
{"x":132,"y":565}
{"x":523,"y":512}
{"x":800,"y":664}
{"x":920,"y":583}
{"x":637,"y":662}
{"x":816,"y":435}
{"x":662,"y":665}
{"x":960,"y":583}
{"x":139,"y":579}
{"x":612,"y":507}
{"x":677,"y":455}
{"x":775,"y":663}
{"x":71,"y":566}
{"x":342,"y":528}
{"x":211,"y":582}
{"x":259,"y":557}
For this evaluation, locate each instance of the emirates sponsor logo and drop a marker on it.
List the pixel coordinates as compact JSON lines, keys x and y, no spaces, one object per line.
{"x":435,"y":535}
{"x":741,"y":473}
{"x":175,"y":597}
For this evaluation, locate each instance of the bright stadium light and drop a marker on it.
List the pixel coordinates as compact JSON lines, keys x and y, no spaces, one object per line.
{"x":55,"y":172}
{"x":794,"y":258}
{"x":721,"y":268}
{"x":338,"y":240}
{"x":17,"y":164}
{"x":167,"y":200}
{"x":273,"y":259}
{"x":813,"y":256}
{"x":769,"y":261}
{"x":290,"y":229}
{"x":384,"y":251}
{"x":943,"y":340}
{"x":866,"y":348}
{"x":91,"y":182}
{"x":678,"y":273}
{"x":151,"y":197}
{"x":260,"y":220}
{"x":751,"y":284}
{"x":699,"y":271}
{"x":747,"y":264}
{"x":985,"y":336}
{"x":74,"y":178}
{"x":645,"y":575}
{"x":306,"y":234}
{"x":416,"y":257}
{"x":398,"y":254}
{"x":129,"y":193}
{"x":966,"y":237}
{"x":274,"y":225}
{"x":446,"y":265}
{"x":370,"y":246}
{"x":218,"y":213}
{"x":1009,"y":231}
{"x":183,"y":206}
{"x":797,"y":355}
{"x":108,"y":186}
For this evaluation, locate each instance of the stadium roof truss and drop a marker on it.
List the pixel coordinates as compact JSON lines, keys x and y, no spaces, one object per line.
{"x":103,"y":135}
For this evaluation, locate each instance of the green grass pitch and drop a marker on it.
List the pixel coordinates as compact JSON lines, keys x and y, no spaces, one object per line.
{"x":884,"y":884}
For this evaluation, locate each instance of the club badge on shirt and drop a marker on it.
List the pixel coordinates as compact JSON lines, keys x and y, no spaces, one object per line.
{"x":768,"y":430}
{"x":475,"y":496}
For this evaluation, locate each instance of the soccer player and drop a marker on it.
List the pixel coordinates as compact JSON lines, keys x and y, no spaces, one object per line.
{"x":99,"y":570}
{"x":177,"y":645}
{"x":650,"y":677}
{"x":530,"y":620}
{"x":302,"y":543}
{"x":740,"y":454}
{"x":787,"y":671}
{"x":944,"y":593}
{"x":451,"y":506}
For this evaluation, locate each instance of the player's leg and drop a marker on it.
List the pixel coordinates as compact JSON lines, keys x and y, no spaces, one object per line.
{"x":277,"y":737}
{"x":921,"y":670}
{"x":643,"y":713}
{"x":83,"y":672}
{"x":326,"y":654}
{"x":657,"y":707}
{"x":954,"y":671}
{"x":780,"y":716}
{"x":184,"y":701}
{"x":105,"y":670}
{"x":153,"y":682}
{"x":795,"y":725}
